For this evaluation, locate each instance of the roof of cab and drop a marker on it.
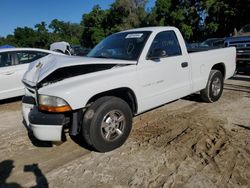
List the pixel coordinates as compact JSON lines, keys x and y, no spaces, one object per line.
{"x":153,"y":29}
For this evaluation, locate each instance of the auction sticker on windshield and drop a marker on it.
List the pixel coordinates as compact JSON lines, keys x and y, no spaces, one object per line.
{"x":134,"y":35}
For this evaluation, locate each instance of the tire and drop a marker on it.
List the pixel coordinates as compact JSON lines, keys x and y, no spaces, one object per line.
{"x":214,"y":88}
{"x":107,"y":123}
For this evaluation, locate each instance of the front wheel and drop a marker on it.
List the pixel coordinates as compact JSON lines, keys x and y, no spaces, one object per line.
{"x":107,"y":123}
{"x":214,"y":88}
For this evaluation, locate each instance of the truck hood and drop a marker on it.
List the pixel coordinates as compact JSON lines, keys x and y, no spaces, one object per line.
{"x":40,"y":69}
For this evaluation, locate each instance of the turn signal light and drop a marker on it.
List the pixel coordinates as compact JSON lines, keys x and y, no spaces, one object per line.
{"x":57,"y":109}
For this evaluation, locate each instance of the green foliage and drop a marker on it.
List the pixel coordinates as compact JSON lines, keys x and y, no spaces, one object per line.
{"x":93,"y":27}
{"x":126,"y":14}
{"x":25,"y":37}
{"x":40,"y":37}
{"x":197,"y":20}
{"x":65,"y":31}
{"x":123,"y":14}
{"x":183,"y":14}
{"x":222,"y":16}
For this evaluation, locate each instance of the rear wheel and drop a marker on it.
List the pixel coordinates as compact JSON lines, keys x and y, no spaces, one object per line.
{"x":214,"y":88}
{"x":107,"y":123}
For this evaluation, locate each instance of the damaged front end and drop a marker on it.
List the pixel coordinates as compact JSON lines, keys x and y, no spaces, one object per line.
{"x":77,"y":70}
{"x":49,"y":116}
{"x":48,"y":126}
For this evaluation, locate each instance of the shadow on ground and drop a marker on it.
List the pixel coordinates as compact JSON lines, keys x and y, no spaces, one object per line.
{"x":194,"y":97}
{"x":6,"y":168}
{"x":241,"y":78}
{"x":6,"y":101}
{"x":243,"y":126}
{"x":82,"y":143}
{"x":235,"y":87}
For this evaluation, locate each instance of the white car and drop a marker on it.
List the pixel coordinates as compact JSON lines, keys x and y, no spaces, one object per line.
{"x":13,"y":64}
{"x":126,"y":74}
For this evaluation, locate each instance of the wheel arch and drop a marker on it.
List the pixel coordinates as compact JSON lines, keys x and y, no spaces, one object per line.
{"x":220,"y":67}
{"x":124,"y":93}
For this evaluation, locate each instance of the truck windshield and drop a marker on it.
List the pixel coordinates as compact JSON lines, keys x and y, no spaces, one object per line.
{"x":125,"y":46}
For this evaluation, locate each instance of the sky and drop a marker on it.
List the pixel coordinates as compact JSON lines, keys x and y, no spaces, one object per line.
{"x":21,"y":13}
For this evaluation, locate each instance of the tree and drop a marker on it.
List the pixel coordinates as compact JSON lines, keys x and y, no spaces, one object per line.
{"x":183,"y":14}
{"x":25,"y":37}
{"x":1,"y":41}
{"x":8,"y":40}
{"x":218,"y":16}
{"x":43,"y":36}
{"x":123,"y":14}
{"x":65,"y":31}
{"x":197,"y":20}
{"x":93,"y":27}
{"x":126,"y":14}
{"x":222,"y":16}
{"x":41,"y":27}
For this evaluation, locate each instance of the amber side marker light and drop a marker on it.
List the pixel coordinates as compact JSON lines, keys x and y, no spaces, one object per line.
{"x":65,"y":108}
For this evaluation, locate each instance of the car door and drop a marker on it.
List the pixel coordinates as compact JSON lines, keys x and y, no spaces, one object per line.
{"x":7,"y":75}
{"x":12,"y":68}
{"x":167,"y":76}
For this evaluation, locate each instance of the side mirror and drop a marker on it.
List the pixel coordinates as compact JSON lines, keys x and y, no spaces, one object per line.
{"x":157,"y":53}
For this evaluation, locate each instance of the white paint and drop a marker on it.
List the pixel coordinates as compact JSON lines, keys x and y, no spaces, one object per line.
{"x":63,"y":46}
{"x":47,"y":132}
{"x":134,"y":35}
{"x":11,"y":76}
{"x":153,"y":82}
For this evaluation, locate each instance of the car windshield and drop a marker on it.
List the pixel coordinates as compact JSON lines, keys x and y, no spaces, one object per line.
{"x":208,"y":42}
{"x":125,"y":46}
{"x":245,"y":29}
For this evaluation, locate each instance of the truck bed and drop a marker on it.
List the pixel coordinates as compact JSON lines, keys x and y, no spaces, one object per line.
{"x":201,"y":49}
{"x":204,"y":60}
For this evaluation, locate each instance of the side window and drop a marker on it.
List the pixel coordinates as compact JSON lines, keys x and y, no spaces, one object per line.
{"x":166,"y":41}
{"x":5,"y":59}
{"x":24,"y":57}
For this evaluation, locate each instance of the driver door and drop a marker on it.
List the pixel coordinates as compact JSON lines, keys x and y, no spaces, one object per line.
{"x":166,"y":78}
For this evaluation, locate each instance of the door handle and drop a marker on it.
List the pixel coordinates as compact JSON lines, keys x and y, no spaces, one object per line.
{"x":184,"y":64}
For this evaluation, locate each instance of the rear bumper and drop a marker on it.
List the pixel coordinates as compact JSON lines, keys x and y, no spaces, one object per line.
{"x":45,"y":126}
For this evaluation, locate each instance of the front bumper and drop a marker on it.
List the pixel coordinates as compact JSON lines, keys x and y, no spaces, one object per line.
{"x":45,"y":126}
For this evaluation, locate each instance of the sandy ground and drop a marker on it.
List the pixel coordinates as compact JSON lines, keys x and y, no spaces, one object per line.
{"x":186,"y":143}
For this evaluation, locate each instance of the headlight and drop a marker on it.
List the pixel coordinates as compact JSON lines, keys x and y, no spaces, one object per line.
{"x":53,"y":104}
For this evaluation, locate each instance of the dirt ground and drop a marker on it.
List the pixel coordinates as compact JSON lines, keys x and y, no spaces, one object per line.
{"x":186,"y":143}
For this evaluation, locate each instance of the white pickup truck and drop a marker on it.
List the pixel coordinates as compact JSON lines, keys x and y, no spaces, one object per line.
{"x":126,"y":74}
